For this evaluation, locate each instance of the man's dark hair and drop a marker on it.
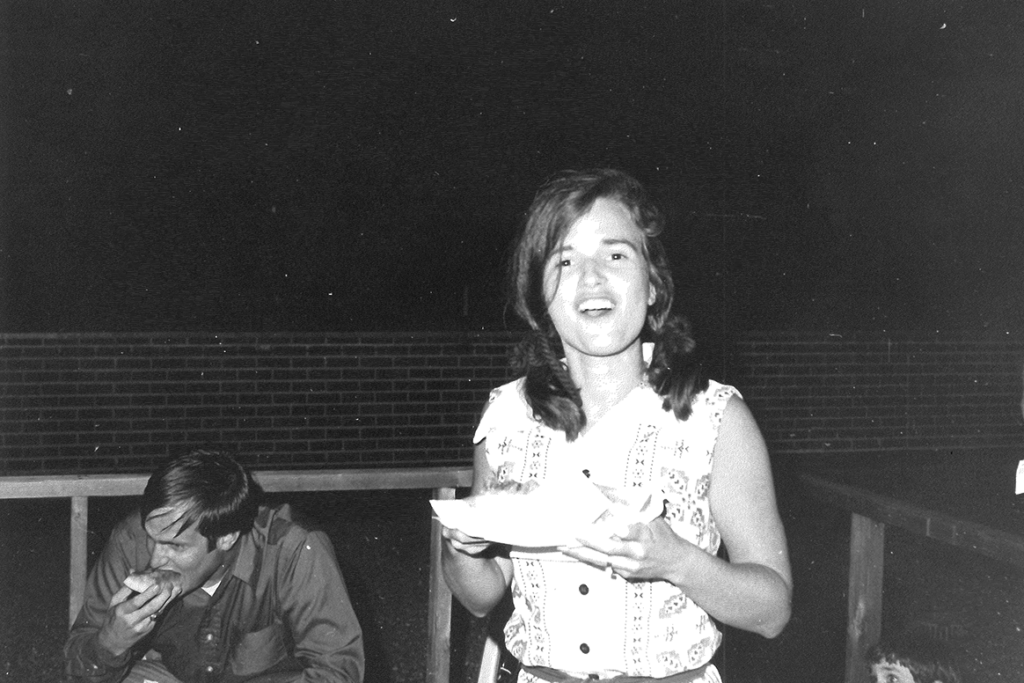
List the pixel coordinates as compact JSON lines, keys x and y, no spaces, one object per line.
{"x":927,"y":659}
{"x":220,"y":495}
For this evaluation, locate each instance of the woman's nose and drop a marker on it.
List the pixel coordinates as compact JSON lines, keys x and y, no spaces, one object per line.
{"x":593,"y":270}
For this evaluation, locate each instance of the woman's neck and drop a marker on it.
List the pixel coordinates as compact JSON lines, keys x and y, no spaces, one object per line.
{"x":605,"y":381}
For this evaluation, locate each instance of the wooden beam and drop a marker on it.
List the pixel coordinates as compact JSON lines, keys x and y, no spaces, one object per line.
{"x":70,"y":486}
{"x":365,"y":480}
{"x":274,"y":481}
{"x":978,"y":538}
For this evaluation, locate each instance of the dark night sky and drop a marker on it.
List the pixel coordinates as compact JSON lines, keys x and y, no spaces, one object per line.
{"x":362,"y":165}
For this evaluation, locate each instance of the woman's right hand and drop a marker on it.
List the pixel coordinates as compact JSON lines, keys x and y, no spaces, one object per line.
{"x":476,"y":570}
{"x":464,"y":543}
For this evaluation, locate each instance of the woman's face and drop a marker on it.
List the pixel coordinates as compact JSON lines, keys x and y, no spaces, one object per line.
{"x":597,"y":284}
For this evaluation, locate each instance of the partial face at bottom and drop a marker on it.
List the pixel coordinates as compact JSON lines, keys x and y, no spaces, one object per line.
{"x":889,"y":672}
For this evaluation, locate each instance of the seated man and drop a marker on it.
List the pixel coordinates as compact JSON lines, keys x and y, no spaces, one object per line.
{"x":239,"y":591}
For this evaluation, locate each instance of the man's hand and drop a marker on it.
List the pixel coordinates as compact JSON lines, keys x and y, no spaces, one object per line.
{"x":129,"y":620}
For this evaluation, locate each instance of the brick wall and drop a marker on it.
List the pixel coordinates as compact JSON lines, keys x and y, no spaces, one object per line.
{"x":105,"y":402}
{"x":110,"y":402}
{"x":870,"y":393}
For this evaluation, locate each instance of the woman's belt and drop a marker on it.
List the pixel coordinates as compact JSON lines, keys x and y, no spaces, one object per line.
{"x":556,"y":676}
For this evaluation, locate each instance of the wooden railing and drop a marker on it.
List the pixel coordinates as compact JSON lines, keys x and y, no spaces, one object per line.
{"x":442,"y":480}
{"x":870,"y":513}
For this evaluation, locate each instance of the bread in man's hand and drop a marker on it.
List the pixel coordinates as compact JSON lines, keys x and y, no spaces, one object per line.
{"x":143,"y":581}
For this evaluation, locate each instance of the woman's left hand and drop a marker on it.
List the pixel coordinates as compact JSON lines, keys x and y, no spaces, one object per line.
{"x":649,"y":551}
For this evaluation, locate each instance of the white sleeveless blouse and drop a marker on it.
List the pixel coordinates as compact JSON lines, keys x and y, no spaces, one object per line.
{"x":582,"y":620}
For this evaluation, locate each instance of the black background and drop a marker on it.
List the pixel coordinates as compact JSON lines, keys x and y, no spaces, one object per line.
{"x":361,"y":165}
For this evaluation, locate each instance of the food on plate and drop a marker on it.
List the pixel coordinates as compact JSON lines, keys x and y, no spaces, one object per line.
{"x":556,"y":512}
{"x":629,"y":506}
{"x":614,"y":495}
{"x":510,"y":486}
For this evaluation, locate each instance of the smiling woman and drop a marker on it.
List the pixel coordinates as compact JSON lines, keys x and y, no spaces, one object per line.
{"x":640,"y":597}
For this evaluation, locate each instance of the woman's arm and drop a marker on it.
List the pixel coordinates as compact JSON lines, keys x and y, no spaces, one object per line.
{"x":753,"y":590}
{"x":477,"y":576}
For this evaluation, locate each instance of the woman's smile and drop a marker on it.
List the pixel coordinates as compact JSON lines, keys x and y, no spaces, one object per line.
{"x":595,"y":307}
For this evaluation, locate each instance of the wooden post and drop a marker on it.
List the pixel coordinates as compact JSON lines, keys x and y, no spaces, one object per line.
{"x":79,"y":568}
{"x":867,"y":552}
{"x":439,"y":626}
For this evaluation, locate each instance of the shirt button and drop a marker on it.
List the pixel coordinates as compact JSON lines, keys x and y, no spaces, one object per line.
{"x":586,"y":473}
{"x":584,"y":648}
{"x":209,"y":668}
{"x":209,"y":636}
{"x":584,"y":589}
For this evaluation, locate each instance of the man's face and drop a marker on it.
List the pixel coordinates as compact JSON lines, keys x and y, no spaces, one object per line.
{"x":186,"y":552}
{"x":889,"y":672}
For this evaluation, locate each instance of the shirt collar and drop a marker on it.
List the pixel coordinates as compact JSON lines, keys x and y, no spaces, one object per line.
{"x":247,"y":561}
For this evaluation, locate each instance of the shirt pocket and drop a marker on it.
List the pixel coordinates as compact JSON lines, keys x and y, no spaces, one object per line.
{"x":259,"y":650}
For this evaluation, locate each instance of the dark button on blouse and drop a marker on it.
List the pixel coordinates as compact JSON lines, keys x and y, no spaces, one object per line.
{"x":584,"y":589}
{"x":584,"y":648}
{"x":586,"y":473}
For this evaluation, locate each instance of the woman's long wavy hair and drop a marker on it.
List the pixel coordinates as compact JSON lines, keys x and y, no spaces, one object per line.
{"x":554,"y":398}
